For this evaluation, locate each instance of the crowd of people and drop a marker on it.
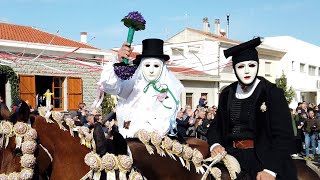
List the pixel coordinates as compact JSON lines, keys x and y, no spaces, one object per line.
{"x":306,"y":128}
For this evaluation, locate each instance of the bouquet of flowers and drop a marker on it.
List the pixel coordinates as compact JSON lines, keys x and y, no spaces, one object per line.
{"x":135,"y":22}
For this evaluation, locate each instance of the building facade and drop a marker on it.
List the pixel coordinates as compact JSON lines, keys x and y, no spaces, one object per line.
{"x":44,"y":61}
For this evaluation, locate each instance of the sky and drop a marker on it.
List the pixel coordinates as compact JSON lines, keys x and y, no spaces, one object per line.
{"x":101,"y":19}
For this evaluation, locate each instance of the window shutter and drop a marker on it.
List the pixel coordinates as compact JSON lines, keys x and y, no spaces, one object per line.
{"x":74,"y":92}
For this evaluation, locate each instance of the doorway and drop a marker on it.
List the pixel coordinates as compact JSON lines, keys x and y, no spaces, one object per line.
{"x":3,"y":81}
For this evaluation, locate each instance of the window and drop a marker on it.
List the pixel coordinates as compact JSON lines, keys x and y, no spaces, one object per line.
{"x":302,"y":70}
{"x":58,"y":92}
{"x":312,"y":71}
{"x":267,"y":69}
{"x":189,"y":99}
{"x":319,"y":71}
{"x":292,"y":66}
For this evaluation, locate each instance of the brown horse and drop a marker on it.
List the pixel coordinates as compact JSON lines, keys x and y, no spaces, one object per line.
{"x":68,"y":157}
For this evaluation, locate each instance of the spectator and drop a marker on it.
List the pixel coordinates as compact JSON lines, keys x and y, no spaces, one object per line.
{"x":310,"y":135}
{"x":90,"y":121}
{"x":203,"y":101}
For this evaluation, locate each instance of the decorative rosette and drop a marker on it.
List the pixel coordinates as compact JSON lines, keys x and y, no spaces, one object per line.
{"x":232,"y":165}
{"x":110,"y":164}
{"x":88,"y":139}
{"x":177,"y":149}
{"x":94,"y":161}
{"x":144,"y":137}
{"x":156,"y":140}
{"x":7,"y":131}
{"x":134,"y":175}
{"x":31,"y":135}
{"x":13,"y":176}
{"x":197,"y":159}
{"x":3,"y":177}
{"x":42,"y":111}
{"x":187,"y":155}
{"x":167,"y":146}
{"x":125,"y":165}
{"x":26,"y":174}
{"x":57,"y":116}
{"x":71,"y":125}
{"x":28,"y":147}
{"x":82,"y":131}
{"x":20,"y":129}
{"x":1,"y":143}
{"x":216,"y":173}
{"x":28,"y":161}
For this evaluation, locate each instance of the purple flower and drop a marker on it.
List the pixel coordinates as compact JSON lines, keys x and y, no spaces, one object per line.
{"x":135,"y":20}
{"x":136,"y":16}
{"x":124,"y":72}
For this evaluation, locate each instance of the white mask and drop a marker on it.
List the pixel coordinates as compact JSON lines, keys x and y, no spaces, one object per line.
{"x":246,"y":71}
{"x":151,"y":68}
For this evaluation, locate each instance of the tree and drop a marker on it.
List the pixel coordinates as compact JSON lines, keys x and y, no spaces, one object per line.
{"x":289,"y":93}
{"x":107,"y":104}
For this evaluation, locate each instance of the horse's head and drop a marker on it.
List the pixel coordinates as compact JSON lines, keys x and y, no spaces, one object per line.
{"x":21,"y":114}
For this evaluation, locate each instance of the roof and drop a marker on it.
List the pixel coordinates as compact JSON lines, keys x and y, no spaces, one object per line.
{"x":220,"y":38}
{"x":30,"y":34}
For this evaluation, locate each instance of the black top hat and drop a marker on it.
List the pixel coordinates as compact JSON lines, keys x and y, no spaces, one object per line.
{"x":151,"y":48}
{"x":244,"y":52}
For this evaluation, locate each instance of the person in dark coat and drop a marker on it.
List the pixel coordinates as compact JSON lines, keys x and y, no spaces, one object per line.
{"x":253,"y":121}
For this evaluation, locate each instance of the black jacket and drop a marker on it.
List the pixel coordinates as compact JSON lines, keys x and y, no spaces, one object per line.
{"x":274,"y":138}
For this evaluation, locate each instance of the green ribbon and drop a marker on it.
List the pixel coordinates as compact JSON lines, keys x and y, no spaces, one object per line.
{"x":162,"y":90}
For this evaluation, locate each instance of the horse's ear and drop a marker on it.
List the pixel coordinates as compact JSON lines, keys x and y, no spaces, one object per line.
{"x":4,"y":112}
{"x":99,"y":139}
{"x":23,"y":112}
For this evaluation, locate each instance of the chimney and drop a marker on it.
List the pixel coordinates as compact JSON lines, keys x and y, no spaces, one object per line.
{"x":206,"y":25}
{"x":83,"y":37}
{"x":217,"y":26}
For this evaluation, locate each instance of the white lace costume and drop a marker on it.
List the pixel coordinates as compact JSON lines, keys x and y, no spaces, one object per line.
{"x":143,"y":109}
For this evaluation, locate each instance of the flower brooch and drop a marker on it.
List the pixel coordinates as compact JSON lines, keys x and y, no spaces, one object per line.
{"x":263,"y":107}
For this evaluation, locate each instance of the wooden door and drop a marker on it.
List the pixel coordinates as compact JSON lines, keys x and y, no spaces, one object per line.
{"x":27,"y":85}
{"x":74,"y":92}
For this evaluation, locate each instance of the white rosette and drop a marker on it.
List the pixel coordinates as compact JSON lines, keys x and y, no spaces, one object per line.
{"x":216,"y":173}
{"x":20,"y":129}
{"x":187,"y":155}
{"x":7,"y":131}
{"x":93,"y":160}
{"x":177,"y":150}
{"x":47,"y":116}
{"x":125,"y":165}
{"x":110,"y":165}
{"x":3,"y":177}
{"x":57,"y":116}
{"x":156,"y":140}
{"x":31,"y":135}
{"x":232,"y":165}
{"x":13,"y":176}
{"x":28,"y":161}
{"x":71,"y":125}
{"x":42,"y":111}
{"x":167,"y":146}
{"x":1,"y":143}
{"x":134,"y":175}
{"x":82,"y":131}
{"x":28,"y":147}
{"x":144,"y":137}
{"x":26,"y":174}
{"x":197,"y":159}
{"x":88,"y":139}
